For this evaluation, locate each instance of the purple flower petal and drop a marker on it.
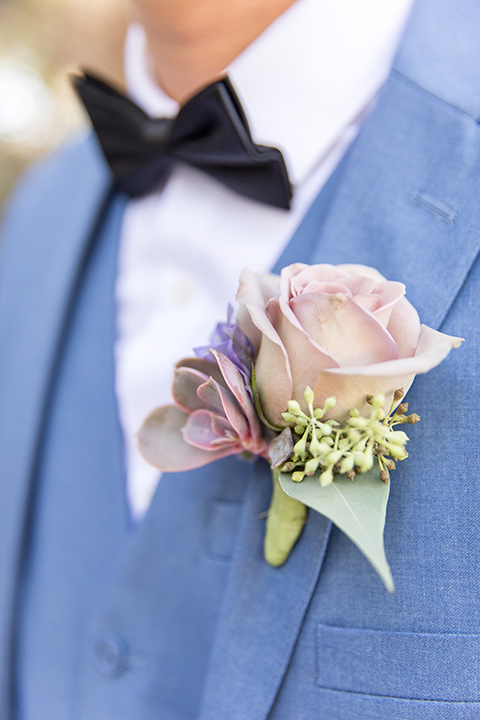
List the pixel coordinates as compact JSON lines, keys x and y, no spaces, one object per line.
{"x":231,"y":341}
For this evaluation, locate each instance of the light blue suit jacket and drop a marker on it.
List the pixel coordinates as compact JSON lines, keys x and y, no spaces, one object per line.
{"x":181,"y":618}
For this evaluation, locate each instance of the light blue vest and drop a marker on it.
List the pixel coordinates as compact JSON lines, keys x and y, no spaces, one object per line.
{"x":181,"y":618}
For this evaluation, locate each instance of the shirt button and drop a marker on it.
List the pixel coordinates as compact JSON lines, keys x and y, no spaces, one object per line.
{"x":111,"y":655}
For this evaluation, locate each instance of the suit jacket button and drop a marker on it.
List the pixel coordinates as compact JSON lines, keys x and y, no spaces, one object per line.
{"x":111,"y":655}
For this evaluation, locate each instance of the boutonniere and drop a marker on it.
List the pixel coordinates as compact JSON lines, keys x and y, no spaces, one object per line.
{"x":310,"y":375}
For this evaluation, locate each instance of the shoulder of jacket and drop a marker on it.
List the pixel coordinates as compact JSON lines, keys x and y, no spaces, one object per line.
{"x":440,"y":51}
{"x":54,"y":203}
{"x":64,"y":174}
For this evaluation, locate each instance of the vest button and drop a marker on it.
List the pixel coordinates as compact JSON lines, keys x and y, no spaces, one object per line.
{"x":111,"y":655}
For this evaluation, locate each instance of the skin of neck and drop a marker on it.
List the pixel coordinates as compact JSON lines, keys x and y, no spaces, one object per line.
{"x":191,"y":42}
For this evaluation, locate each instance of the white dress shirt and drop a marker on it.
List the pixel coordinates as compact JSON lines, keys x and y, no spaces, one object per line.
{"x":305,"y":85}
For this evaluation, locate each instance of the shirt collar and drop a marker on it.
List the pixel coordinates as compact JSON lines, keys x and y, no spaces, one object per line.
{"x":304,"y":81}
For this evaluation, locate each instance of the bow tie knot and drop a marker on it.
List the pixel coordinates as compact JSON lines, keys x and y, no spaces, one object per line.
{"x":157,"y":132}
{"x":209,"y":133}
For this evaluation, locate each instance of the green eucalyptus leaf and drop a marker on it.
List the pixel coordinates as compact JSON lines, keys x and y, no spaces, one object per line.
{"x":357,"y":507}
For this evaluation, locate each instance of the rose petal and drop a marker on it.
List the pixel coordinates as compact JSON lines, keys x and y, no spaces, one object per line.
{"x":271,"y":360}
{"x":295,"y":278}
{"x":350,"y":391}
{"x":161,"y":442}
{"x":404,"y":326}
{"x":344,"y":329}
{"x":305,"y":356}
{"x":359,"y":284}
{"x":274,"y":380}
{"x":255,"y":289}
{"x":382,"y":298}
{"x":433,"y":347}
{"x":287,"y":275}
{"x":350,"y":385}
{"x":391,"y":293}
{"x":372,"y":303}
{"x":315,"y":286}
{"x":252,"y":295}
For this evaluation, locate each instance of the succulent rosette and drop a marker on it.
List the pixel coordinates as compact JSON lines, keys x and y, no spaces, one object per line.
{"x":213,"y":417}
{"x":310,"y":377}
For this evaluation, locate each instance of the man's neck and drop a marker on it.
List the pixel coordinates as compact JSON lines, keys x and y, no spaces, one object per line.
{"x":192,"y":41}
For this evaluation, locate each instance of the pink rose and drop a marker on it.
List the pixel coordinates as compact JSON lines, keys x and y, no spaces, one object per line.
{"x":344,"y":331}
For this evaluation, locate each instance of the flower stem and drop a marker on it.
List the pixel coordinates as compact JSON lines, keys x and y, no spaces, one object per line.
{"x":285,"y":522}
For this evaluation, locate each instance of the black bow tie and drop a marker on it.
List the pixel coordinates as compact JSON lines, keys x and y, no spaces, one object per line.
{"x":210,"y":133}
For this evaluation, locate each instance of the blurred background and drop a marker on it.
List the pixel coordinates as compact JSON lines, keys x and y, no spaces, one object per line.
{"x":41,"y":41}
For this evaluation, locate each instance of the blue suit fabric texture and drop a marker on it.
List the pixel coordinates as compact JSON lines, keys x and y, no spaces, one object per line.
{"x":181,"y":618}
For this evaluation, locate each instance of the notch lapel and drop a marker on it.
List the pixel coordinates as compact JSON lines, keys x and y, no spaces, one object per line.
{"x":406,"y":201}
{"x":38,"y":283}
